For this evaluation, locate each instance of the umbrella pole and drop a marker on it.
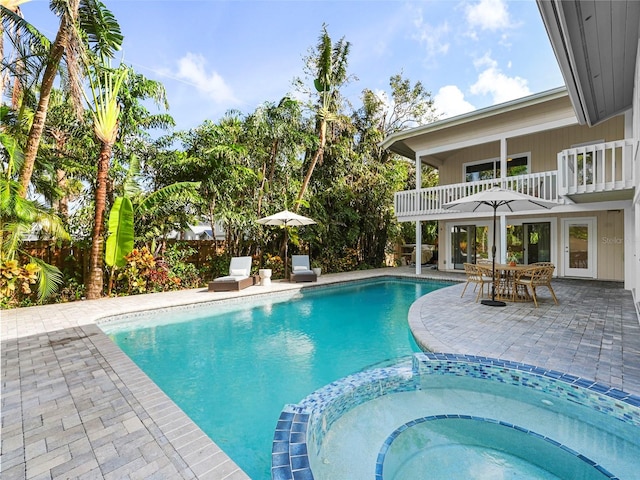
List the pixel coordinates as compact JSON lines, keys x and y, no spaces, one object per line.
{"x":286,"y":252}
{"x":493,"y":302}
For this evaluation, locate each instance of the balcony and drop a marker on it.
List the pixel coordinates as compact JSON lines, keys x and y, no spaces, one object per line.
{"x":601,"y":171}
{"x":428,"y":201}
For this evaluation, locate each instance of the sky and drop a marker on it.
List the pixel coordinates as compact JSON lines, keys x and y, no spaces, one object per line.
{"x":216,"y":55}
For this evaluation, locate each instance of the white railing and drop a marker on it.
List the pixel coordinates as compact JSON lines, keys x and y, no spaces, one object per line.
{"x":428,"y":201}
{"x":602,"y":167}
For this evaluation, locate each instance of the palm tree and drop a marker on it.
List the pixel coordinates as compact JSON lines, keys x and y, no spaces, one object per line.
{"x":78,"y":19}
{"x":105,"y":109}
{"x":331,"y":68}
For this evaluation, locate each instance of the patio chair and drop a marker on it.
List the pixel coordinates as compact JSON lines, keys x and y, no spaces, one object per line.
{"x":478,"y":275}
{"x":536,"y":276}
{"x":300,"y":269}
{"x":239,"y":276}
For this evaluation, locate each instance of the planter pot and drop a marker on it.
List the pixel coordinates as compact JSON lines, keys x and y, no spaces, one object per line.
{"x":317,"y":270}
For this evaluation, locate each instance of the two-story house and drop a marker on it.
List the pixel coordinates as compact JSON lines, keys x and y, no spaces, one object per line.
{"x":576,"y":146}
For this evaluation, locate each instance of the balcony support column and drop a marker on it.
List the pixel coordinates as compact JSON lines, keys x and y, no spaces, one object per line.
{"x":503,"y":238}
{"x":418,"y":247}
{"x":503,"y":160}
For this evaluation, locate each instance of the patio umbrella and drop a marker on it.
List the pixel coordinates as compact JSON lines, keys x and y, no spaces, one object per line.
{"x":495,"y":200}
{"x":286,"y":219}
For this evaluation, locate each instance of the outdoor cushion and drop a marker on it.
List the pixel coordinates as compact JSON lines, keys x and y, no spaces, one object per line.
{"x":240,"y":272}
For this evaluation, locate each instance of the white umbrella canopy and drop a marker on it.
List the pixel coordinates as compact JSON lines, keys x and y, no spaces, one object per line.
{"x":495,"y":200}
{"x":498,"y":199}
{"x":286,"y":219}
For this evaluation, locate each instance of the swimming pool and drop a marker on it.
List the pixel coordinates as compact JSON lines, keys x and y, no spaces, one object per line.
{"x":232,"y":367}
{"x":460,"y":416}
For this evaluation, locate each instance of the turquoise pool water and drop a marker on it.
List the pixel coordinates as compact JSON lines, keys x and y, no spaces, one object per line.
{"x":232,"y":368}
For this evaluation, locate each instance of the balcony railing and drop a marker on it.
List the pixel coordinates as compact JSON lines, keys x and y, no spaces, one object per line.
{"x":603,"y":167}
{"x":428,"y":201}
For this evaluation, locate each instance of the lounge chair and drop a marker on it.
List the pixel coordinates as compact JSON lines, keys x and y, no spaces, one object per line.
{"x":300,"y":270}
{"x":239,"y":276}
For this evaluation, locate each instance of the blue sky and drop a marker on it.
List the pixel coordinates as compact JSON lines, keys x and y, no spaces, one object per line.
{"x":216,"y":55}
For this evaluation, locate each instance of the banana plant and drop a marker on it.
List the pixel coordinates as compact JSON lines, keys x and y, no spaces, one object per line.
{"x":121,"y":239}
{"x":121,"y":236}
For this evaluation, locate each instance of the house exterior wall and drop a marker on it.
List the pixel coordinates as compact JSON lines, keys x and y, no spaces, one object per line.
{"x":609,"y":239}
{"x":543,"y":148}
{"x":609,"y":242}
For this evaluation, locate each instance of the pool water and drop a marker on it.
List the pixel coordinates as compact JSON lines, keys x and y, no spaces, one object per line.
{"x":231,"y":369}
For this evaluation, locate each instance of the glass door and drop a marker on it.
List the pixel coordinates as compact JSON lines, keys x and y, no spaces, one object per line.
{"x":462,"y":245}
{"x":468,"y":244}
{"x":579,"y":247}
{"x":537,"y":242}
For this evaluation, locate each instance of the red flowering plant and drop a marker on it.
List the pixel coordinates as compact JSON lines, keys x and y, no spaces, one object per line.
{"x":145,"y":273}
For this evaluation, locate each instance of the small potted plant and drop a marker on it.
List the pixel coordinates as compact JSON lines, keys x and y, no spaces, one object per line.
{"x":513,"y":260}
{"x":315,"y":266}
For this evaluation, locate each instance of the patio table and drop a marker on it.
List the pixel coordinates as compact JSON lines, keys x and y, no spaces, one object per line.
{"x":505,"y":281}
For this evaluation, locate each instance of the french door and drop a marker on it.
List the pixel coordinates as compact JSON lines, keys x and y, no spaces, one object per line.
{"x":468,"y":244}
{"x":579,"y":245}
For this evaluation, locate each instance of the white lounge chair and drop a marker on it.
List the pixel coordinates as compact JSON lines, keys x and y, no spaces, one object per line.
{"x":300,"y":269}
{"x":239,"y":276}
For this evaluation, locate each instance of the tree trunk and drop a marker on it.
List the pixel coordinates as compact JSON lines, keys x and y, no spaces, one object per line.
{"x":40,"y":117}
{"x":314,"y":161}
{"x":96,"y":259}
{"x":272,"y":161}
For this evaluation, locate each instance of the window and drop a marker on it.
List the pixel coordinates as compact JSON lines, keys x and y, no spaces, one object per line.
{"x":488,"y":169}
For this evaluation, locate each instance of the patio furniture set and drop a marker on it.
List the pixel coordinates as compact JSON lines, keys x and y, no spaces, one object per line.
{"x":515,"y":283}
{"x":240,"y":274}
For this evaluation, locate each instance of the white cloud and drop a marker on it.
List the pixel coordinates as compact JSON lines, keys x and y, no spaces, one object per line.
{"x":449,"y":102}
{"x":488,"y":15}
{"x":432,"y":38}
{"x":492,"y":81}
{"x":192,"y":70}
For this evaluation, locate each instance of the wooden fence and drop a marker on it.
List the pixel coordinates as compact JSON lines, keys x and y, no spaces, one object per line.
{"x":73,"y":259}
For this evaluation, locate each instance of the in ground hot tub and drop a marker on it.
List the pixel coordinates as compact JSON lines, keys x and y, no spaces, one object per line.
{"x":372,"y":424}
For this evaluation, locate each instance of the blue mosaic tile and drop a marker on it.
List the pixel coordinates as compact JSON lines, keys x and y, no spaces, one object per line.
{"x":299,"y":462}
{"x":280,"y":460}
{"x":281,"y":473}
{"x":303,"y":474}
{"x":280,"y":447}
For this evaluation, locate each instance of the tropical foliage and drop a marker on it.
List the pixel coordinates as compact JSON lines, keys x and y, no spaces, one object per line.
{"x":98,"y":173}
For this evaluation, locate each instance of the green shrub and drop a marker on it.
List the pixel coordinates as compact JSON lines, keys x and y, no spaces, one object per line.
{"x":174,"y":257}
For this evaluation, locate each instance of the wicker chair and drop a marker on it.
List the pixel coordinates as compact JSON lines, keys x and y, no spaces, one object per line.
{"x":536,"y":276}
{"x":475,"y":275}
